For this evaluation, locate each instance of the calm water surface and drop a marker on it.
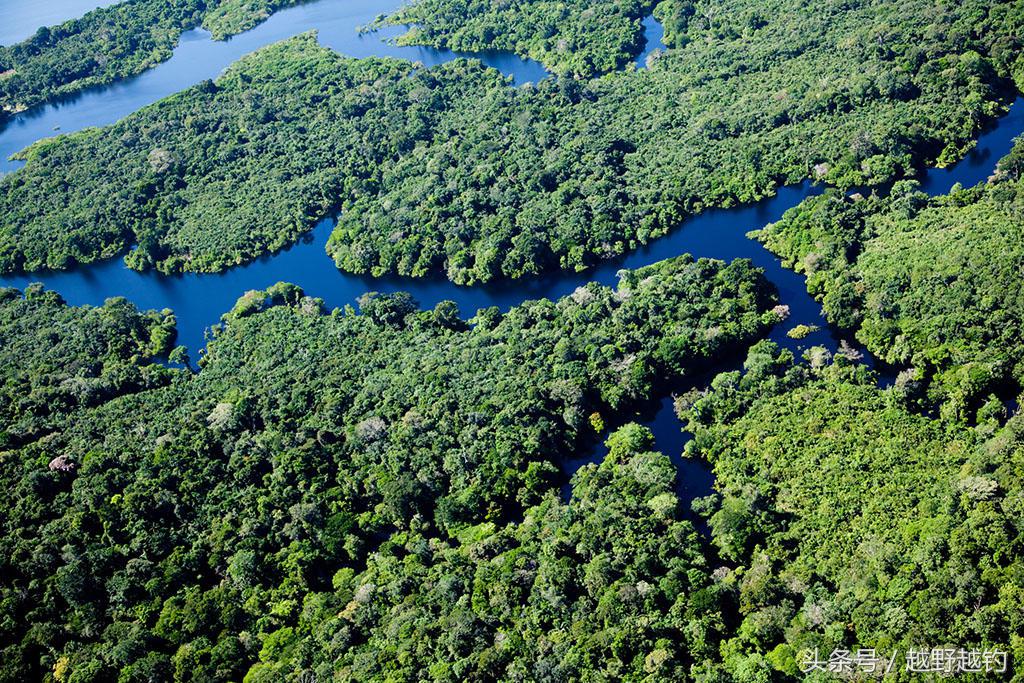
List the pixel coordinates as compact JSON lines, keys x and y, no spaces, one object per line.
{"x":199,"y":300}
{"x":198,"y":57}
{"x":654,"y":34}
{"x":19,"y":19}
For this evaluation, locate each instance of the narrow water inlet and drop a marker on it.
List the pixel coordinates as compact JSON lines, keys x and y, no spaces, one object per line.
{"x":199,"y":300}
{"x":198,"y":57}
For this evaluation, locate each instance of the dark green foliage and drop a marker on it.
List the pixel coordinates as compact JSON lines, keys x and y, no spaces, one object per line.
{"x":225,"y":18}
{"x":578,"y":38}
{"x":928,"y":284}
{"x":57,"y":360}
{"x":853,"y":522}
{"x":276,"y":507}
{"x":374,"y":496}
{"x":450,"y":169}
{"x":112,"y":43}
{"x":675,"y":17}
{"x":611,"y":587}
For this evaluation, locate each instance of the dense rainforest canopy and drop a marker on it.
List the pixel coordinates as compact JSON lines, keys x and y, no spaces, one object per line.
{"x":112,"y":43}
{"x":57,"y":359}
{"x":847,"y":521}
{"x":930,"y":285}
{"x":271,"y":510}
{"x":451,"y":170}
{"x":578,"y":38}
{"x":376,"y":495}
{"x":373,"y":496}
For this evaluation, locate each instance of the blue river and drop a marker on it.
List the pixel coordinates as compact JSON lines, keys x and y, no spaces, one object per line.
{"x":19,"y":19}
{"x":199,"y":300}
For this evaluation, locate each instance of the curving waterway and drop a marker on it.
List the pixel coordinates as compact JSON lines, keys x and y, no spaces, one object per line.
{"x":199,"y":57}
{"x":199,"y":300}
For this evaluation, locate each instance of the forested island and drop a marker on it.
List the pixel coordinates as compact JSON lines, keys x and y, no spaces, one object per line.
{"x":581,"y":38}
{"x":385,"y":492}
{"x":113,"y":43}
{"x":931,"y":286}
{"x":449,"y":170}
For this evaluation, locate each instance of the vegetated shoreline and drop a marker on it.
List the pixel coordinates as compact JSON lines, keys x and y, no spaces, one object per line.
{"x":774,"y":390}
{"x":698,"y":208}
{"x":358,"y":496}
{"x":619,"y":37}
{"x":885,"y":373}
{"x":441,"y":375}
{"x":552,"y":277}
{"x":112,"y":43}
{"x":729,"y":362}
{"x":619,"y":188}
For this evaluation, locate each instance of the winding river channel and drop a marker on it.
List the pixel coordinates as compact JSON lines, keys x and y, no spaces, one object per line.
{"x":199,"y":300}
